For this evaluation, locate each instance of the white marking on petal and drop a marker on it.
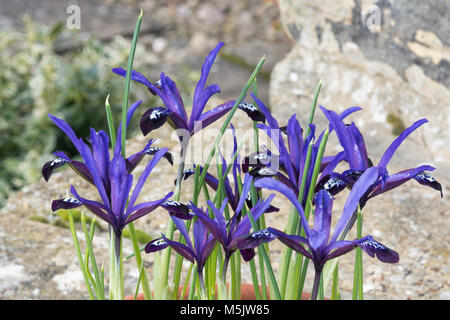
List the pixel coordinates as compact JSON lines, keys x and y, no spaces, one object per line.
{"x":159,"y":242}
{"x":155,"y":114}
{"x":373,"y":244}
{"x":247,"y":106}
{"x":171,"y":203}
{"x":425,"y":176}
{"x":57,"y":160}
{"x":71,"y":200}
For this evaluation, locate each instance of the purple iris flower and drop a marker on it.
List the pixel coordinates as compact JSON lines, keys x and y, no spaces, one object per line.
{"x":111,"y":177}
{"x":229,"y":233}
{"x":233,"y":196}
{"x":356,"y":155}
{"x":175,"y":111}
{"x":292,"y":157}
{"x":197,"y":253}
{"x":319,"y":244}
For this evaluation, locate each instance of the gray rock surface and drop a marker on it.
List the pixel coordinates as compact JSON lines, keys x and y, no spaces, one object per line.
{"x":38,"y":261}
{"x":391,"y":58}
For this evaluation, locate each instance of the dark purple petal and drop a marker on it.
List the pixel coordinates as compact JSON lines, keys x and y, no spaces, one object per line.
{"x":249,"y":202}
{"x":153,"y":119}
{"x":67,"y":130}
{"x":272,"y":184}
{"x":173,"y":97}
{"x":86,"y":154}
{"x":347,"y":112}
{"x":397,"y":142}
{"x":245,"y":190}
{"x":65,"y":203}
{"x":257,"y":159}
{"x":399,"y":178}
{"x":97,"y":208}
{"x":177,"y":209}
{"x":120,"y":183}
{"x":247,"y":254}
{"x":259,"y":172}
{"x":211,"y":225}
{"x":156,"y":245}
{"x":274,"y":132}
{"x":428,"y":180}
{"x":200,"y":233}
{"x":256,"y":238}
{"x":186,"y":174}
{"x":345,"y":139}
{"x":136,"y":76}
{"x":144,"y":208}
{"x":50,"y":166}
{"x":332,"y":162}
{"x":351,"y":176}
{"x":221,"y":231}
{"x":359,"y":141}
{"x":374,"y":248}
{"x":153,"y":150}
{"x":211,"y":116}
{"x":133,"y":160}
{"x":179,"y":223}
{"x":148,"y":169}
{"x":295,"y":141}
{"x":333,"y":183}
{"x":244,"y":226}
{"x":252,"y":111}
{"x":181,"y":249}
{"x":292,"y":241}
{"x":367,"y":179}
{"x":82,"y":170}
{"x":206,"y":252}
{"x":322,"y":220}
{"x":289,"y":183}
{"x":100,"y":152}
{"x":202,"y":94}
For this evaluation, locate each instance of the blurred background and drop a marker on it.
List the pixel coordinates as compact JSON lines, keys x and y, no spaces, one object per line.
{"x":389,"y":57}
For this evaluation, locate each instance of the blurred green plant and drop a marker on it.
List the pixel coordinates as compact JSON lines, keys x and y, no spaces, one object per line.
{"x":36,"y":80}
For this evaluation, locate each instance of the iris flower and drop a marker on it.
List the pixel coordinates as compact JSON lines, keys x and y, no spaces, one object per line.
{"x":292,"y":157}
{"x":233,"y":196}
{"x":356,"y":155}
{"x":229,"y":233}
{"x":174,"y":109}
{"x":319,"y":244}
{"x":111,"y":177}
{"x":198,"y":253}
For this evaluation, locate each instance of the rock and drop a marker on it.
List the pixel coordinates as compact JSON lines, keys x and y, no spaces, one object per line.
{"x":396,"y":68}
{"x":396,"y":72}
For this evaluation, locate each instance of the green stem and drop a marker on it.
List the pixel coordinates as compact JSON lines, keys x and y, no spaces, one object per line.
{"x":128,"y":81}
{"x":137,"y":252}
{"x":80,"y":258}
{"x":98,"y":284}
{"x":335,"y":288}
{"x":111,"y":127}
{"x":228,"y":119}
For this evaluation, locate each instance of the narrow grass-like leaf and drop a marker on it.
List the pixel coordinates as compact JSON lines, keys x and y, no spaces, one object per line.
{"x":98,"y":286}
{"x":80,"y":258}
{"x":229,"y":117}
{"x":145,"y":283}
{"x":313,"y":108}
{"x":111,"y":127}
{"x":128,"y":81}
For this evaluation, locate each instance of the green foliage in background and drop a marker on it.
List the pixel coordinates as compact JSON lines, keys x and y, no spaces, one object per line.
{"x":35,"y":80}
